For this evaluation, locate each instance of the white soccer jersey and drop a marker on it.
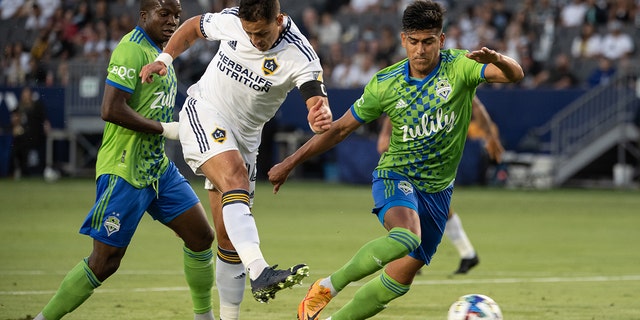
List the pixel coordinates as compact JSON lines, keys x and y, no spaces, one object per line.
{"x":247,"y":86}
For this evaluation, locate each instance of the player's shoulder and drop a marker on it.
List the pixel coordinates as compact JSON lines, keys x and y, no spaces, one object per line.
{"x":135,"y":40}
{"x":294,"y":40}
{"x":229,"y":12}
{"x":395,"y":70}
{"x":224,"y":15}
{"x":450,"y":55}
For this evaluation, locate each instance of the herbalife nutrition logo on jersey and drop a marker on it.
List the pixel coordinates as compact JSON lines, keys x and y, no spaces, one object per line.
{"x":243,"y":75}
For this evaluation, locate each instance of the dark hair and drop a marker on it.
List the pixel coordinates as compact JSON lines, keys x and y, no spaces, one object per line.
{"x":256,"y":10}
{"x":422,"y":15}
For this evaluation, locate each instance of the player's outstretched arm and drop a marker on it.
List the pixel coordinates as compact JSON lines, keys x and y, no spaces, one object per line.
{"x":180,"y":41}
{"x":500,"y":68}
{"x":319,"y":143}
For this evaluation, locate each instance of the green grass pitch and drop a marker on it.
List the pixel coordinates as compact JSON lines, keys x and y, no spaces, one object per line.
{"x":554,"y":254}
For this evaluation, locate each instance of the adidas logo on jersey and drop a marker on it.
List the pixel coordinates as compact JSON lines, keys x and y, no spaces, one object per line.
{"x":401,"y":104}
{"x":233,"y":44}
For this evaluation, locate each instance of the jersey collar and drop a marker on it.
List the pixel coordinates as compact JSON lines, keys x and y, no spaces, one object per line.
{"x":417,"y":82}
{"x":146,"y":36}
{"x":283,"y":33}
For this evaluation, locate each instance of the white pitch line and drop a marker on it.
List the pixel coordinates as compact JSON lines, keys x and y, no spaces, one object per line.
{"x":415,"y":283}
{"x":530,"y":280}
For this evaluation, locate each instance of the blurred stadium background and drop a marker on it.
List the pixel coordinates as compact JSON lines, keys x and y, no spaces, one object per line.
{"x":573,"y":120}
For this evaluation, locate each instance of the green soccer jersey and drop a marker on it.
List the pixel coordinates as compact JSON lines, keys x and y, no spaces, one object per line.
{"x":137,"y":157}
{"x":430,"y":117}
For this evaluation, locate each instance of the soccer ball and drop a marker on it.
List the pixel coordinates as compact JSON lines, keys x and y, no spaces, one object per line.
{"x":474,"y":306}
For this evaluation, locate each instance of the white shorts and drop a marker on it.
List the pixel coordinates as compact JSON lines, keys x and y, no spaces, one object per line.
{"x":205,"y":134}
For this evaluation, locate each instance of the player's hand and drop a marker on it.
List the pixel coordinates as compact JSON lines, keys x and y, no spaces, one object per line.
{"x":278,"y":174}
{"x":484,"y":55}
{"x":320,"y":117}
{"x":156,"y":67}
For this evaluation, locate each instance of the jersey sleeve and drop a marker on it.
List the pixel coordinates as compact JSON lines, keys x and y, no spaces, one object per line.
{"x":211,"y":24}
{"x":472,"y":71}
{"x":124,"y":66}
{"x":368,"y":108}
{"x":312,"y":71}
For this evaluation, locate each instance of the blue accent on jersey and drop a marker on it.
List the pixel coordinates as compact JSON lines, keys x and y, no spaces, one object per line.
{"x":355,"y":115}
{"x":139,"y":34}
{"x":119,"y":86}
{"x":392,"y":73}
{"x":482,"y":71}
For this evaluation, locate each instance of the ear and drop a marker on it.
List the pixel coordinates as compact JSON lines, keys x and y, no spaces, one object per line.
{"x":280,"y":19}
{"x":442,"y":39}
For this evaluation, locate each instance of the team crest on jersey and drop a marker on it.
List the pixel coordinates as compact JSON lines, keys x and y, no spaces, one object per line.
{"x":233,"y":44}
{"x":219,"y":135}
{"x":405,"y":187}
{"x":269,"y":66}
{"x":443,"y":88}
{"x":112,"y":224}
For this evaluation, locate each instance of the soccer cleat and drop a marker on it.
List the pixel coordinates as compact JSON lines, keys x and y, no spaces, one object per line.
{"x":467,"y":264}
{"x":272,"y":280}
{"x":316,"y":299}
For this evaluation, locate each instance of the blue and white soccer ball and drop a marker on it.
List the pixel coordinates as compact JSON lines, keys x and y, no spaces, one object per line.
{"x":474,"y":307}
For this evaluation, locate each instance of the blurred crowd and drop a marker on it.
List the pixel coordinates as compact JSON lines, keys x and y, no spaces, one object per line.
{"x":560,"y":43}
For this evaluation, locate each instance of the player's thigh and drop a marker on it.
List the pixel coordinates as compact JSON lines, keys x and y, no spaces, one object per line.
{"x":433,"y":210}
{"x":117,"y":212}
{"x":204,"y":134}
{"x":174,"y":196}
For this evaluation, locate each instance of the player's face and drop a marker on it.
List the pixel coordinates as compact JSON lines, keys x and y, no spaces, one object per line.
{"x":423,"y":50}
{"x":161,"y":21}
{"x":263,"y":34}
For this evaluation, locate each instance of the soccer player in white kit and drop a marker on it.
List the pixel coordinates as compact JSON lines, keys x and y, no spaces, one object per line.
{"x":262,"y":57}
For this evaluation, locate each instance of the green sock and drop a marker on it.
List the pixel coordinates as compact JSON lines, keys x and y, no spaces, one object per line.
{"x":76,"y":287}
{"x":374,"y":255}
{"x":371,"y":298}
{"x":198,"y":270}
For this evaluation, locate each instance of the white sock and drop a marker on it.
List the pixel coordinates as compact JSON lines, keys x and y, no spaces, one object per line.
{"x":204,"y":316}
{"x":326,"y":282}
{"x":243,"y":233}
{"x":40,"y":317}
{"x":230,"y":282}
{"x":455,"y":232}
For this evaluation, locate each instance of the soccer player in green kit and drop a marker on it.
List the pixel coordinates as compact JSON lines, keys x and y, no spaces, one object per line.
{"x":134,"y":175}
{"x":428,"y":99}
